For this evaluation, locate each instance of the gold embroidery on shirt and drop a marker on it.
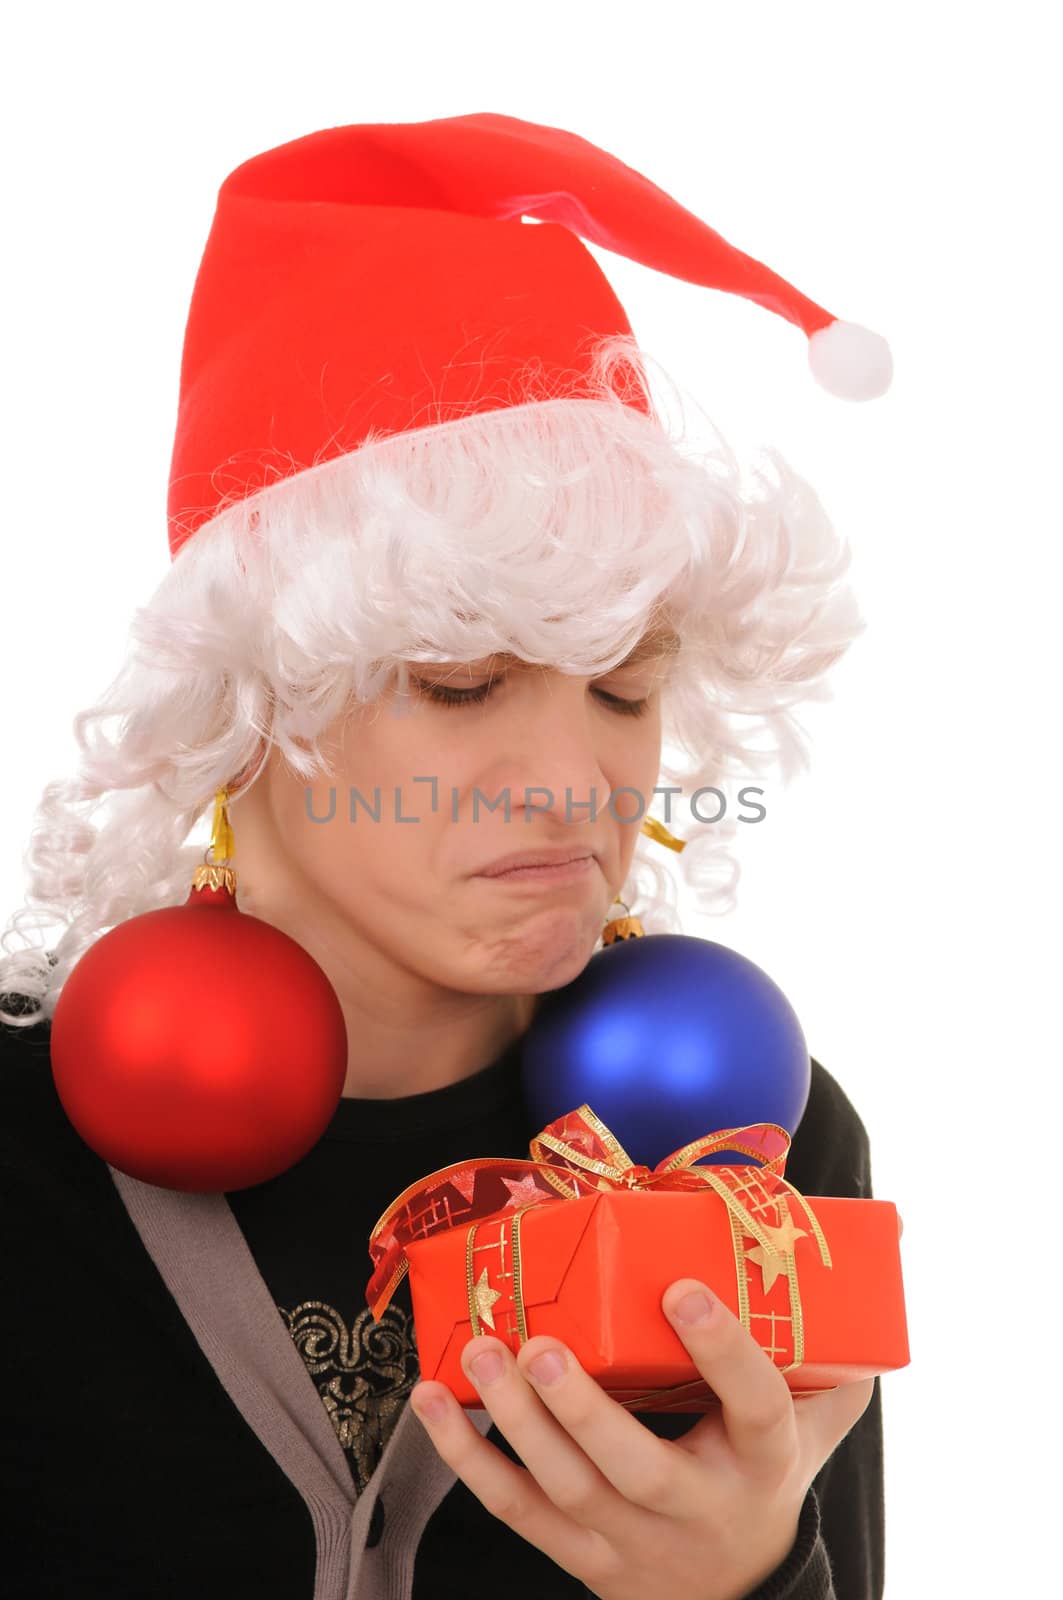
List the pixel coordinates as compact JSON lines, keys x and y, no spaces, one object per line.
{"x":363,"y":1374}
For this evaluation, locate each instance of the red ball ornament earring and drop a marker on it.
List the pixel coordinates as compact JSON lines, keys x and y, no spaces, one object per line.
{"x":197,"y":1047}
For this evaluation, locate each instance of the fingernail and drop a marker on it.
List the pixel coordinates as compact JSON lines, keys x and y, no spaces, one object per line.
{"x":547,"y":1368}
{"x":432,"y":1410}
{"x":694,"y":1307}
{"x":487,"y":1368}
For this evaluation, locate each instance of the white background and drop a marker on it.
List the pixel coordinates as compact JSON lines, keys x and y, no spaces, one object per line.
{"x":893,"y":162}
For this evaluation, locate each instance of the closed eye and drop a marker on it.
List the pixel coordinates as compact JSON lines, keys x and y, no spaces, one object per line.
{"x":443,"y":694}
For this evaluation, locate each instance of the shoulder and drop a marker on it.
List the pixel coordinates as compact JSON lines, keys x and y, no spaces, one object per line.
{"x":830,"y":1153}
{"x":24,"y":1051}
{"x":32,"y":1119}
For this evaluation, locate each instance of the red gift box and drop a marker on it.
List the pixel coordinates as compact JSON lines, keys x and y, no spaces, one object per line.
{"x":581,"y":1243}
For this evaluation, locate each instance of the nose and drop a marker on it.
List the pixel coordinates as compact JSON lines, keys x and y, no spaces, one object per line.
{"x":557,"y":754}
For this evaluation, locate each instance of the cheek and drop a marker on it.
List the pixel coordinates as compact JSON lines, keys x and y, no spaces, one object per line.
{"x":369,"y":861}
{"x":632,"y":761}
{"x":375,"y":869}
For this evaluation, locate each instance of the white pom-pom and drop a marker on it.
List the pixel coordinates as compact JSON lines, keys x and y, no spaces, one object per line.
{"x":849,"y":361}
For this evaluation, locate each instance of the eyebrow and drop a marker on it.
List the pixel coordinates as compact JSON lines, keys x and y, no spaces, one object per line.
{"x":648,"y":647}
{"x":651,"y":645}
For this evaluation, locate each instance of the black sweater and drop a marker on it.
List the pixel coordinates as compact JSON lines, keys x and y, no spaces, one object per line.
{"x":127,"y":1471}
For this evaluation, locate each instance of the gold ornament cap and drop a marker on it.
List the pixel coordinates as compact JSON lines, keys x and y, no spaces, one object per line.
{"x":628,"y":927}
{"x":211,"y":877}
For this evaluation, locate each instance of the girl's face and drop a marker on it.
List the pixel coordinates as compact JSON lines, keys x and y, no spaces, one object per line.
{"x":411,"y":882}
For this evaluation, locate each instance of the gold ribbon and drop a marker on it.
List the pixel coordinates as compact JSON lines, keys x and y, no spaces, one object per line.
{"x":577,"y":1155}
{"x":658,"y":832}
{"x":221,"y":833}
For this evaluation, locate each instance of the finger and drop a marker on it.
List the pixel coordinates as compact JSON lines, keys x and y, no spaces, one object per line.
{"x":517,"y":1401}
{"x":507,"y":1491}
{"x":756,"y":1404}
{"x":900,"y":1225}
{"x":824,"y":1419}
{"x":637,"y":1468}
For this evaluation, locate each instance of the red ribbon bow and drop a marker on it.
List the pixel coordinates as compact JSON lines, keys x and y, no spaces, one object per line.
{"x":574,"y":1155}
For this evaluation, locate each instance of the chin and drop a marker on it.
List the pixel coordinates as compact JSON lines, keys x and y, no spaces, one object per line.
{"x":552,"y":951}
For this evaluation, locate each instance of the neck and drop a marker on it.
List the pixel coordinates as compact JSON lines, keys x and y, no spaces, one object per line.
{"x":406,"y":1035}
{"x":393,"y":1052}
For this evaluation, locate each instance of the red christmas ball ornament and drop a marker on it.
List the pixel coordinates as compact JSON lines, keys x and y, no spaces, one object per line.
{"x":197,"y":1047}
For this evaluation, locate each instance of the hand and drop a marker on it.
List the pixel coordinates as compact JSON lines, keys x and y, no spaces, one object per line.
{"x":708,"y":1516}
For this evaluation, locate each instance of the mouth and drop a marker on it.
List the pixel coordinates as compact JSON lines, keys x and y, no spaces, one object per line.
{"x":553,"y":872}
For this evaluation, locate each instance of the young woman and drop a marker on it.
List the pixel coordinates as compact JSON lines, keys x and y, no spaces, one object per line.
{"x":430,"y":538}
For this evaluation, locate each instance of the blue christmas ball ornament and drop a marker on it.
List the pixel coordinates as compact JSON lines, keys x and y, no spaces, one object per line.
{"x":667,"y":1037}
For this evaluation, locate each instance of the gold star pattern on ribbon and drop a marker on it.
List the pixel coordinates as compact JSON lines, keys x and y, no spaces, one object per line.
{"x":465,"y":1183}
{"x":771,"y":1262}
{"x":525,"y":1191}
{"x":485,"y":1299}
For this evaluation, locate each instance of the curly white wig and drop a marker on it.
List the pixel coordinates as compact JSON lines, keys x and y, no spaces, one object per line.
{"x":553,"y":530}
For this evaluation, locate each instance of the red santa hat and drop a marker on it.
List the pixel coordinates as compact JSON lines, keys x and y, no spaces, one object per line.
{"x":366,"y":280}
